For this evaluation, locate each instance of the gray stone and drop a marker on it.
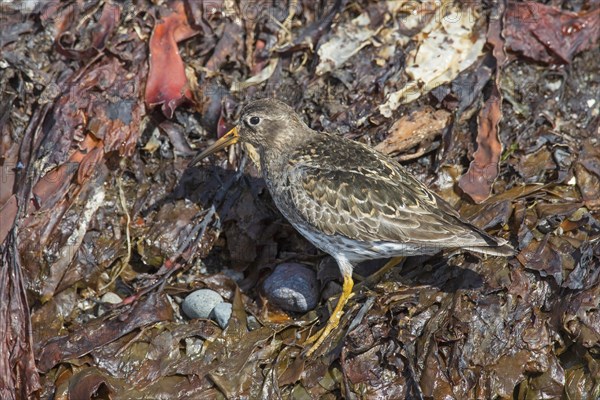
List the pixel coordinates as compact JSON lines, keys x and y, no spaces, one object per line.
{"x":234,"y":275}
{"x":200,"y":303}
{"x":221,"y":314}
{"x":292,"y":287}
{"x":253,"y":323}
{"x":110,"y":298}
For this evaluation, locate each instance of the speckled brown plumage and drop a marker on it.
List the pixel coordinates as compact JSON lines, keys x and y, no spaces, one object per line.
{"x":346,"y":198}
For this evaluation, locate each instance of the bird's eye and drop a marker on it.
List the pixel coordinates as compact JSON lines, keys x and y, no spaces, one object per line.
{"x":254,"y":121}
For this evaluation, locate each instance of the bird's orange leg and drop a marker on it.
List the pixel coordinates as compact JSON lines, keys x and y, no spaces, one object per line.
{"x":334,"y":320}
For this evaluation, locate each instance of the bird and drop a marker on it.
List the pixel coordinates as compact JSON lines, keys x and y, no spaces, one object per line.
{"x":347,"y":199}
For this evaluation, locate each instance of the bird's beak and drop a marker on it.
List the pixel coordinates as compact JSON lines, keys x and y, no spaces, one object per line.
{"x":228,"y":139}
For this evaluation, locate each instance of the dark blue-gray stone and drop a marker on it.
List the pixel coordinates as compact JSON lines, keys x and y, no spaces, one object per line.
{"x":292,"y":287}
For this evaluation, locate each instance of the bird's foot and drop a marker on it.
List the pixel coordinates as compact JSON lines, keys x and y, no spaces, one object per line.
{"x":318,"y":338}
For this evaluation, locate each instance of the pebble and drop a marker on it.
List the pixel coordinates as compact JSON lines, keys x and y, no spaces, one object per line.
{"x":292,"y":287}
{"x":110,"y":298}
{"x":106,"y":300}
{"x":221,"y":314}
{"x":253,"y":323}
{"x":200,"y":303}
{"x":234,"y":275}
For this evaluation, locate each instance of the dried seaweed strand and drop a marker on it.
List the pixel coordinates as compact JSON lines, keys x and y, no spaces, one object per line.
{"x":125,"y":260}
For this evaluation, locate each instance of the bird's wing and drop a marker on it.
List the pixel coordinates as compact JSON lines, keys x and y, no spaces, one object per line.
{"x":374,"y":199}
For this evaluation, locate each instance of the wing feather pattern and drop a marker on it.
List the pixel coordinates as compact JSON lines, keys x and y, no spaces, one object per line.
{"x":363,"y":196}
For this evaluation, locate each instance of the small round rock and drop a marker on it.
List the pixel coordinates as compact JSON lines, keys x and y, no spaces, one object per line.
{"x":110,"y":298}
{"x":221,"y":314}
{"x":292,"y":287}
{"x":200,"y":303}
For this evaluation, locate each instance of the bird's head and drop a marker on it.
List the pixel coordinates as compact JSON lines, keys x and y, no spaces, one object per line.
{"x":266,"y":123}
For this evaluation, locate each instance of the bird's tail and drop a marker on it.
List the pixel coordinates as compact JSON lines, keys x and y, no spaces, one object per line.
{"x":494,"y":246}
{"x":503,"y":249}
